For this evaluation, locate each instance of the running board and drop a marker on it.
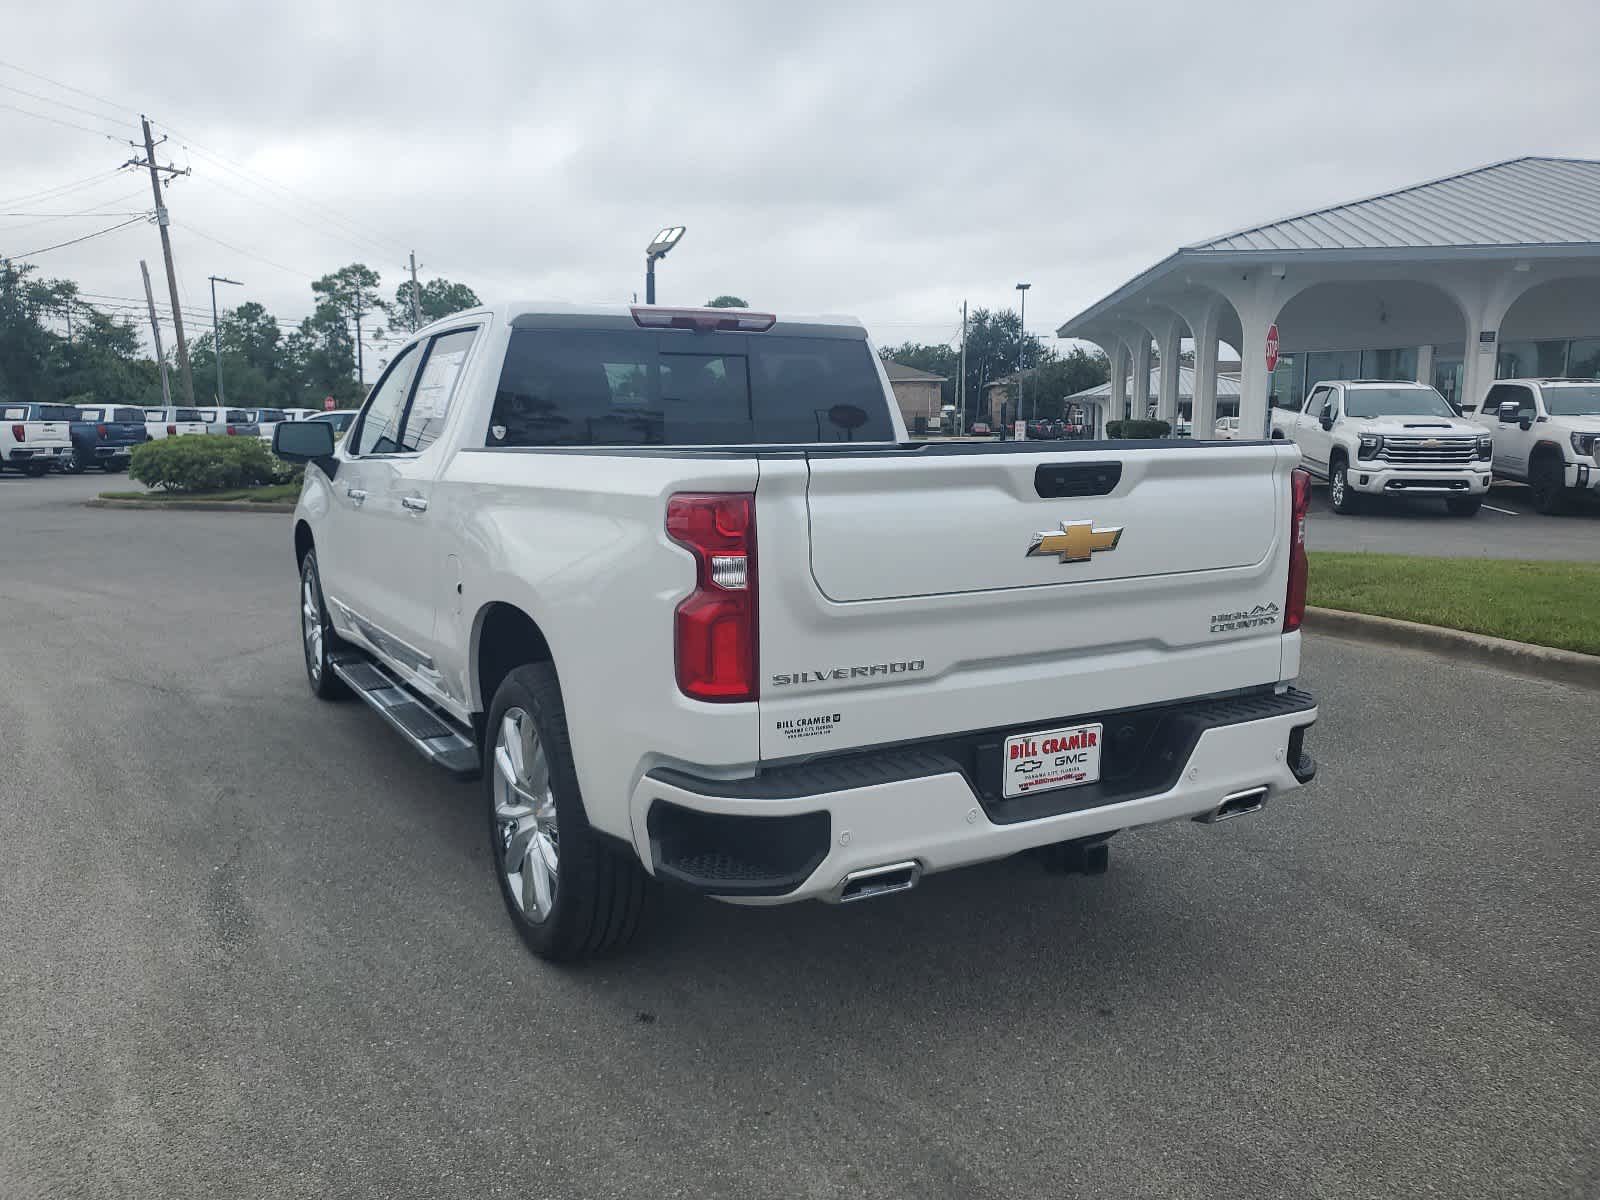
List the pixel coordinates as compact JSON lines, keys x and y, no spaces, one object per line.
{"x":431,"y":733}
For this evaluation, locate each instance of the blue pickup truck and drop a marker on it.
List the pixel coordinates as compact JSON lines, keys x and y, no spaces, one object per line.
{"x":104,"y":436}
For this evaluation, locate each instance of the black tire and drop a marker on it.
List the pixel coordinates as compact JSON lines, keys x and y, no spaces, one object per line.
{"x":110,"y":467}
{"x":73,"y":465}
{"x":1548,"y":483}
{"x":324,"y":684}
{"x":600,"y":892}
{"x":1341,"y":497}
{"x":36,"y":470}
{"x":1463,"y":506}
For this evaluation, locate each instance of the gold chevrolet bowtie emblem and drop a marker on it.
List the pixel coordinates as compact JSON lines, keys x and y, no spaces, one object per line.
{"x":1076,"y":542}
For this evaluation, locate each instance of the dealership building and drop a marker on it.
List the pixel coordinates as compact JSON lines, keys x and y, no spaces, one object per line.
{"x":1491,"y":273}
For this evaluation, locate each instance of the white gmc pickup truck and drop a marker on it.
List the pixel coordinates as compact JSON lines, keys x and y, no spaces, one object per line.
{"x":676,"y":583}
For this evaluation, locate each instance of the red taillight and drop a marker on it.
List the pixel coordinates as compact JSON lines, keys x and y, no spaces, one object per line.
{"x":172,"y":431}
{"x":1294,"y":605}
{"x":20,"y":432}
{"x":232,"y":431}
{"x":715,"y":630}
{"x":101,"y":430}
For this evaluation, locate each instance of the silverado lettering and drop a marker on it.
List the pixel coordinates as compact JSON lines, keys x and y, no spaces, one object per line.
{"x":825,"y":673}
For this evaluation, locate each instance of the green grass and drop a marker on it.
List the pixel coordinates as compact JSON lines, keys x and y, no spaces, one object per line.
{"x":1547,"y":603}
{"x":275,"y":493}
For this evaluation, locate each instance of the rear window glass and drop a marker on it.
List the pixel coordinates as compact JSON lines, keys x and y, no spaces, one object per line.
{"x":270,"y":414}
{"x":128,"y":414}
{"x":16,"y":414}
{"x":188,"y":414}
{"x":647,"y":388}
{"x":90,"y":414}
{"x":56,"y":412}
{"x":238,"y":415}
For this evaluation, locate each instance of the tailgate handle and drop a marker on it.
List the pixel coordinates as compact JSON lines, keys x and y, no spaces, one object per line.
{"x":1054,"y":480}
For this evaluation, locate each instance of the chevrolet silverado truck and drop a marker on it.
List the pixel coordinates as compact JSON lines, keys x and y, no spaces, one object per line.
{"x":1389,"y":438}
{"x":104,"y":435}
{"x":679,"y":587}
{"x":1547,"y":434}
{"x":35,"y":437}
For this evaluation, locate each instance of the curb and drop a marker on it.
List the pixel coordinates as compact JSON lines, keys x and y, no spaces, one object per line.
{"x":1545,"y":662}
{"x":192,"y":505}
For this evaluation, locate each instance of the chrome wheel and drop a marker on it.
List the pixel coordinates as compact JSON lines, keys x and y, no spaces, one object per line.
{"x":311,"y":625}
{"x":529,"y":841}
{"x":1336,"y":489}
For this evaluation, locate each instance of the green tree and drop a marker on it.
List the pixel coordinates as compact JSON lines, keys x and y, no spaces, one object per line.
{"x":436,"y":298}
{"x":351,"y":294}
{"x":727,"y":302}
{"x":1058,"y":377}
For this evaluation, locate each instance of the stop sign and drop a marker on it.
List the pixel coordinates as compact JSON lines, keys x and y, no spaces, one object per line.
{"x":1272,"y":348}
{"x":327,"y":403}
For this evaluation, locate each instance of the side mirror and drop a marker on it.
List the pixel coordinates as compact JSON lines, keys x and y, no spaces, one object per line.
{"x":1509,"y":412}
{"x":303,"y":441}
{"x":1325,"y":421}
{"x":1526,"y":424}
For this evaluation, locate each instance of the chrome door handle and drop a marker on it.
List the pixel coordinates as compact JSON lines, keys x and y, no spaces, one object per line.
{"x":355,"y":494}
{"x":414,"y":503}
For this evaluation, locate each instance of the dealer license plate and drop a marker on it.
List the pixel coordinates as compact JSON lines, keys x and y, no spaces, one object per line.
{"x":1051,"y":758}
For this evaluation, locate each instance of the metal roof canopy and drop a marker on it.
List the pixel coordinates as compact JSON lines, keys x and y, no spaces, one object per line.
{"x":1522,"y":207}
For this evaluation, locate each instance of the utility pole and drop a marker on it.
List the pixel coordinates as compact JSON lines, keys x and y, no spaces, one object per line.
{"x":216,"y":333}
{"x":962,"y":388}
{"x":155,"y":332}
{"x":162,"y":220}
{"x":416,"y":296}
{"x":1022,"y":349}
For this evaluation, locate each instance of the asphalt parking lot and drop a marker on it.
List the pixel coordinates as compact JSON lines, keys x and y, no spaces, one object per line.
{"x":1505,"y":527}
{"x":253,"y":947}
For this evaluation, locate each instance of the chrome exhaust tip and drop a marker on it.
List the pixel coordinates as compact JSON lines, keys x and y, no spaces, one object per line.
{"x":871,"y":882}
{"x":1236,"y":804}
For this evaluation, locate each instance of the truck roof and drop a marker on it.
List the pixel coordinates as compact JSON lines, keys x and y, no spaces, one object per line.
{"x":511,"y":310}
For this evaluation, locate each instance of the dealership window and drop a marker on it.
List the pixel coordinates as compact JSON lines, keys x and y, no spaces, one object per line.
{"x":1399,"y":363}
{"x":1583,"y":359}
{"x":1286,"y":387}
{"x":1532,"y":360}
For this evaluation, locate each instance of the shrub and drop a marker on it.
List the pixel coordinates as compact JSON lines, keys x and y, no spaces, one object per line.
{"x":203,"y":463}
{"x":1138,"y":429}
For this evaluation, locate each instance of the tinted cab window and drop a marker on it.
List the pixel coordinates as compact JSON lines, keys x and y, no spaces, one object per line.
{"x":643,"y":387}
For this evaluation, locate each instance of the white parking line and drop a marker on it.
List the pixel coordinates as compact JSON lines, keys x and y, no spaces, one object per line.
{"x":1508,"y":512}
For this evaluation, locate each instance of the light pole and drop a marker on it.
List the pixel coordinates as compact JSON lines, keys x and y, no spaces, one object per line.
{"x":1022,"y":343}
{"x":658,"y":247}
{"x":216,"y":332}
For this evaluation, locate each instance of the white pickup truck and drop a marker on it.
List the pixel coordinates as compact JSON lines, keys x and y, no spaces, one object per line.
{"x":35,"y":437}
{"x":1547,"y":434}
{"x":1371,"y":437}
{"x":679,"y":585}
{"x":173,"y":422}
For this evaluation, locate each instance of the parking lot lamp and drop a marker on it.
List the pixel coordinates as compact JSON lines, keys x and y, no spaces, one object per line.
{"x":1022,"y":345}
{"x":658,"y":247}
{"x":216,"y":331}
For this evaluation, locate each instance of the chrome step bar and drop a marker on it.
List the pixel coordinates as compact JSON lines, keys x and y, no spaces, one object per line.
{"x":433,"y":734}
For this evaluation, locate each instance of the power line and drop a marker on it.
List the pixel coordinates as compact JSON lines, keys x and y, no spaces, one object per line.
{"x":57,"y":103}
{"x":303,"y":275}
{"x":54,"y":193}
{"x":84,"y":238}
{"x":64,"y":86}
{"x":68,"y":124}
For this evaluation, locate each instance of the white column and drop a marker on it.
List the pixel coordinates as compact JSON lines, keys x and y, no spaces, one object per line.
{"x":1205,"y":379}
{"x":1424,"y":364}
{"x":1253,"y":377}
{"x":1170,"y":336}
{"x":1117,"y":410}
{"x":1140,"y":398}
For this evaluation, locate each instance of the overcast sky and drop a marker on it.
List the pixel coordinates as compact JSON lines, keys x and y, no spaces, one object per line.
{"x":884,"y":161}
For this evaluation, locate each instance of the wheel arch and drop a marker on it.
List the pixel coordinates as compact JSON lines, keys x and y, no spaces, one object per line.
{"x":1546,"y":449}
{"x":503,"y":637}
{"x":303,"y":541}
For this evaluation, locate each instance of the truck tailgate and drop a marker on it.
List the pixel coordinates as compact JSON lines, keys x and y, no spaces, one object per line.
{"x":909,"y":594}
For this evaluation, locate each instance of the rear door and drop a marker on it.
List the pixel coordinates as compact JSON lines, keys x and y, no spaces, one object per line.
{"x":941,"y":592}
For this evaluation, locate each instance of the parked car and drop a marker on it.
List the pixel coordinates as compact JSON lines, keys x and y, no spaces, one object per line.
{"x":1227,"y":429}
{"x":35,"y":437}
{"x":300,"y":414}
{"x":558,"y":586}
{"x":339,"y":418}
{"x":266,"y":420}
{"x":1546,"y":434}
{"x":172,"y":422}
{"x":104,"y":435}
{"x":234,"y":422}
{"x":1372,"y":437}
{"x":981,"y":429}
{"x":1043,"y":431}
